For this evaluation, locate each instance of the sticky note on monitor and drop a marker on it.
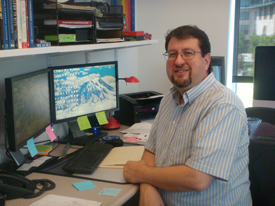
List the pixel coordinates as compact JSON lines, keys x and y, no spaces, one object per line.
{"x":101,"y":118}
{"x":31,"y":147}
{"x":83,"y":123}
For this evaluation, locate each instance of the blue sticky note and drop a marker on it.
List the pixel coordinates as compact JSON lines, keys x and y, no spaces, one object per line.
{"x":110,"y":192}
{"x":85,"y":185}
{"x":31,"y":147}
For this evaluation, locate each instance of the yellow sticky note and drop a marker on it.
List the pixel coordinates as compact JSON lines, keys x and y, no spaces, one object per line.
{"x":83,"y":123}
{"x":101,"y":118}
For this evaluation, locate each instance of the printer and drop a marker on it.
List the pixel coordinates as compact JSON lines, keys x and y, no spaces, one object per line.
{"x":138,"y":106}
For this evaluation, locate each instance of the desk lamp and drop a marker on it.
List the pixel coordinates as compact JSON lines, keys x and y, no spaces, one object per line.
{"x":112,"y":122}
{"x":131,"y":79}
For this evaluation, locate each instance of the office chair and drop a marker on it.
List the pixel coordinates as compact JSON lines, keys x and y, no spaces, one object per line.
{"x":261,"y":123}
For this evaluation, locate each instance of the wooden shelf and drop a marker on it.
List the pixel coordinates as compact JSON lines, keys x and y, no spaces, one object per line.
{"x":58,"y":50}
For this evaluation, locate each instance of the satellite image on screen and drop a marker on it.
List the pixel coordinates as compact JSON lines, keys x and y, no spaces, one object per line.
{"x":84,"y":90}
{"x":31,"y":105}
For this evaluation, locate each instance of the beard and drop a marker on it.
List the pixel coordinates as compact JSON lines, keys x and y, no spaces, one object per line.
{"x":184,"y":83}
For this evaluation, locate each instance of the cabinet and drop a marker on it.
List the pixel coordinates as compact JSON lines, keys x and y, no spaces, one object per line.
{"x":64,"y":24}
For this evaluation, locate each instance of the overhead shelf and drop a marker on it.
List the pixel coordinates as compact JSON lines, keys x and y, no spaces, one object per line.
{"x":57,"y":50}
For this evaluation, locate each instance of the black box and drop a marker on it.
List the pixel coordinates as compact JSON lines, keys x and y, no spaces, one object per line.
{"x":81,"y":34}
{"x":134,"y":107}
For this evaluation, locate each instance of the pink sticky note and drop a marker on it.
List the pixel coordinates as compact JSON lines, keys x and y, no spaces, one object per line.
{"x":131,"y":139}
{"x":50,"y":133}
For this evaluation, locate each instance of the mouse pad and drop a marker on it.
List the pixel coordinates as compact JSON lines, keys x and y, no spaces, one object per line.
{"x":102,"y":174}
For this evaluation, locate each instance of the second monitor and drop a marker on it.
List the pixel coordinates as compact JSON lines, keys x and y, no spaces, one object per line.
{"x":84,"y":90}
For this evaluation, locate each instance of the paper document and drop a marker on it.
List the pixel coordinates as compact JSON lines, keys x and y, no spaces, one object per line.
{"x":139,"y":128}
{"x":57,"y":200}
{"x":151,"y":97}
{"x":118,"y":156}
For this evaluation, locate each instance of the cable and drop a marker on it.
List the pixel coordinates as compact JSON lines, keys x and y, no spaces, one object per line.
{"x":46,"y":185}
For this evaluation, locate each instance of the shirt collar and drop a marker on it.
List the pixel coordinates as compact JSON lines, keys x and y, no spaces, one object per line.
{"x":194,"y":92}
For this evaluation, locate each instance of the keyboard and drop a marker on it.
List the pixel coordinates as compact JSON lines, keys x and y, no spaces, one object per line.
{"x":87,"y":159}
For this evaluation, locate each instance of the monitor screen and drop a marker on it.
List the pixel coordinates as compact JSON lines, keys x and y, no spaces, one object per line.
{"x":86,"y":89}
{"x":264,"y":73}
{"x":27,"y":107}
{"x":217,"y":63}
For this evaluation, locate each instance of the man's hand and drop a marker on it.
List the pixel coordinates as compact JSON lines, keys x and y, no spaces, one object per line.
{"x":132,"y":171}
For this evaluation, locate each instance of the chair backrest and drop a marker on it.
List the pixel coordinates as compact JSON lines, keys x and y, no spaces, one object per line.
{"x":261,"y":122}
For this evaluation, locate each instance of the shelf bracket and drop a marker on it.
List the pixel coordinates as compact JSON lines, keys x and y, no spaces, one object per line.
{"x":87,"y":57}
{"x":49,"y":61}
{"x":116,"y":54}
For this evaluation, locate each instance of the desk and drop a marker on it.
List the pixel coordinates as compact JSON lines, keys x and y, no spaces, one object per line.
{"x":64,"y":188}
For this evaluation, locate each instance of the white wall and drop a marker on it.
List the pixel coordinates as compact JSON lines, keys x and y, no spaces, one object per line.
{"x":147,"y":62}
{"x":158,"y":16}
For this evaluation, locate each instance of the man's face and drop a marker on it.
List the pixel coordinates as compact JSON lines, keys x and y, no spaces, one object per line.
{"x":185,"y":74}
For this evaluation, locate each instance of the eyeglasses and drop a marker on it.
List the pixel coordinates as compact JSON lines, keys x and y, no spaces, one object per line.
{"x":185,"y":54}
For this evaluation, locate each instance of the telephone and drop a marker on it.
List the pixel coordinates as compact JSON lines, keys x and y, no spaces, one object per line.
{"x":16,"y":186}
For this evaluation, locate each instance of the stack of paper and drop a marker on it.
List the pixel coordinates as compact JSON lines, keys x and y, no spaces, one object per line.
{"x":118,"y":156}
{"x":138,"y":133}
{"x":44,"y":149}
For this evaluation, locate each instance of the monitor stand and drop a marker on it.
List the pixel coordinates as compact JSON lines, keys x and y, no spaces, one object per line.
{"x":17,"y":157}
{"x":78,"y":137}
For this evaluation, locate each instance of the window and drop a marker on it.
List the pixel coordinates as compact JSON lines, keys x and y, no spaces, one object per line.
{"x":254,"y":25}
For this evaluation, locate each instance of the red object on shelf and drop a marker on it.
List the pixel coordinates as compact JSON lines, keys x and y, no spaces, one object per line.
{"x":133,"y":33}
{"x":148,"y":36}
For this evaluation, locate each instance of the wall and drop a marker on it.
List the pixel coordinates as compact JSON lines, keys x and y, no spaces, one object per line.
{"x":156,"y":17}
{"x":146,"y":63}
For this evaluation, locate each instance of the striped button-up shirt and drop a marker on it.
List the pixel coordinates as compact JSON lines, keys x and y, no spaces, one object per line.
{"x":207,"y":133}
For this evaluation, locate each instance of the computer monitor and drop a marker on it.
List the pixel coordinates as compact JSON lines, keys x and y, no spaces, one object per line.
{"x":264,"y":77}
{"x":27,"y":108}
{"x":217,"y":63}
{"x":84,"y":90}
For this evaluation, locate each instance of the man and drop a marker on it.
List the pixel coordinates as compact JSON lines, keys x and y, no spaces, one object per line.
{"x":197,"y":152}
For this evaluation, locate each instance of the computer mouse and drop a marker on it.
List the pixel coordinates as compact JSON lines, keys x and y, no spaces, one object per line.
{"x":115,"y":142}
{"x":112,"y":124}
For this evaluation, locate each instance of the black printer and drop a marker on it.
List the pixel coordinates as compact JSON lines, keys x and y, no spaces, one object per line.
{"x":134,"y":107}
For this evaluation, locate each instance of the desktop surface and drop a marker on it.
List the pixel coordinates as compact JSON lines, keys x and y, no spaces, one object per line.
{"x":101,"y":178}
{"x":64,"y":188}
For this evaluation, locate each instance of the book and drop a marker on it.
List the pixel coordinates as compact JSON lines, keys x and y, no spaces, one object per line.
{"x":15,"y":23}
{"x":118,"y":156}
{"x":66,"y":22}
{"x":31,"y":24}
{"x":10,"y":24}
{"x":5,"y":25}
{"x":68,"y":6}
{"x":27,"y":23}
{"x":18,"y":41}
{"x":24,"y":24}
{"x":133,"y":13}
{"x":128,"y":14}
{"x":133,"y":33}
{"x":1,"y":31}
{"x":1,"y":25}
{"x":69,"y":23}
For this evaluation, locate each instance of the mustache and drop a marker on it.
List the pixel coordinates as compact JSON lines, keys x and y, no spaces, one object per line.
{"x":182,"y":67}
